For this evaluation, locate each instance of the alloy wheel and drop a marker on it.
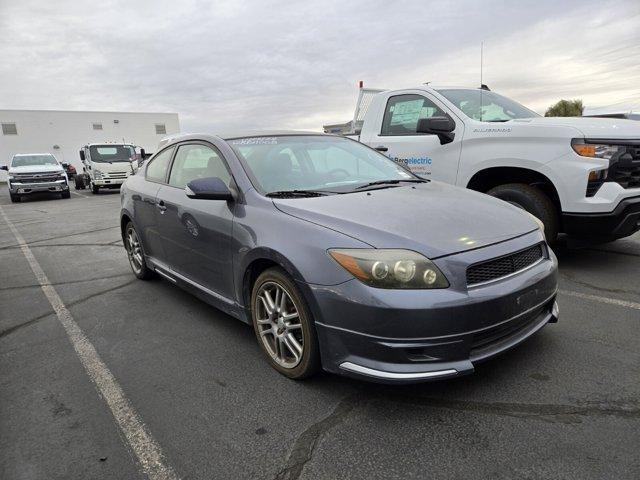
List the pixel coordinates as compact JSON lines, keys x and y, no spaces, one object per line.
{"x":134,"y":250}
{"x":279,"y":325}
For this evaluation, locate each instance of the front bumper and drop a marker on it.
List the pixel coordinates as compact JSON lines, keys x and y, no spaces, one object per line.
{"x":109,"y":182}
{"x":623,"y":221}
{"x":395,"y":336}
{"x":24,"y":188}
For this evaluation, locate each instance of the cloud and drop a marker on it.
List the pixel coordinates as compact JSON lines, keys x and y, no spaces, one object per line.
{"x":234,"y":65}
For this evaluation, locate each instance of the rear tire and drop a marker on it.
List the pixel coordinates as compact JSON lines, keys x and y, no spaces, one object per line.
{"x":533,"y":201}
{"x":284,"y":327}
{"x":135,"y":253}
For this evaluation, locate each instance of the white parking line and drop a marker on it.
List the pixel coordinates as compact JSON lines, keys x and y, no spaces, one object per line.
{"x":597,"y":298}
{"x":137,"y":436}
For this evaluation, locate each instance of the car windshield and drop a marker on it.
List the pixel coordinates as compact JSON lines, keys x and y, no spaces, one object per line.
{"x":486,"y":106}
{"x":315,"y":163}
{"x":33,"y":160}
{"x":111,"y":153}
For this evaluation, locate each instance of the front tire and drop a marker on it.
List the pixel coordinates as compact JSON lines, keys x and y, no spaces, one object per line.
{"x":534,"y":201}
{"x":14,"y":198}
{"x":94,"y":189}
{"x":283,"y":325}
{"x":133,"y":246}
{"x":65,"y":194}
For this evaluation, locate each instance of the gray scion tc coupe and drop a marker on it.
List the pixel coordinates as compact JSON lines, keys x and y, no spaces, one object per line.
{"x":340,"y":258}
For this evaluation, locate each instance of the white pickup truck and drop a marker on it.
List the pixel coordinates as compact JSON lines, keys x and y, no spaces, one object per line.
{"x":580,"y":176}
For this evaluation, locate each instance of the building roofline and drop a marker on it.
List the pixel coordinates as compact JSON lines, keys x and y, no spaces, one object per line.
{"x":83,"y":111}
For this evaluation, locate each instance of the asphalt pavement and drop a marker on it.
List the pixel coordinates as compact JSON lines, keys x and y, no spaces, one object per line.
{"x":565,"y":404}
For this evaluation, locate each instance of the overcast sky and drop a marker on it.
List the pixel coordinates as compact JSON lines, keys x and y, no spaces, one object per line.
{"x":287,"y":64}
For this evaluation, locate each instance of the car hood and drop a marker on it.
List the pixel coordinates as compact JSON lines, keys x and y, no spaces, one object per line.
{"x":36,"y":169}
{"x":606,"y":128}
{"x":433,"y":218}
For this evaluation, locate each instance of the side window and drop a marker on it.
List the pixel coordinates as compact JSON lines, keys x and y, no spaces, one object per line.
{"x":197,"y":161}
{"x":157,"y":169}
{"x":403,"y":112}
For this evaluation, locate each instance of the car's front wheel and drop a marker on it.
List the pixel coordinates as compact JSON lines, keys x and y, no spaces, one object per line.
{"x":283,"y":325}
{"x":135,"y":253}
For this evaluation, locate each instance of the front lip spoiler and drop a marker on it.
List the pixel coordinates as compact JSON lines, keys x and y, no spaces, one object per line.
{"x":371,"y":372}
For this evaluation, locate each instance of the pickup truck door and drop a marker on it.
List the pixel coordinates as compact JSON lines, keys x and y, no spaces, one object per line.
{"x":196,"y":233}
{"x":396,"y":136}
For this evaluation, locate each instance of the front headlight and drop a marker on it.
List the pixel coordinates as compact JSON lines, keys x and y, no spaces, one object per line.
{"x":390,"y":268}
{"x":97,"y":173}
{"x":595,"y":150}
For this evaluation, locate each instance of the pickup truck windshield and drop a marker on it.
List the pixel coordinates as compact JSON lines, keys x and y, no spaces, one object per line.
{"x":33,"y":160}
{"x":111,"y":153}
{"x":299,"y":164}
{"x":486,"y":106}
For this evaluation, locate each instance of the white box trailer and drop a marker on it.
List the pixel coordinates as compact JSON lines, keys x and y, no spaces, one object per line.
{"x":63,"y":133}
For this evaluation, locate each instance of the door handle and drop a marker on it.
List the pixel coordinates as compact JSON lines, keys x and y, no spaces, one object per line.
{"x":161,"y":206}
{"x":382,"y":148}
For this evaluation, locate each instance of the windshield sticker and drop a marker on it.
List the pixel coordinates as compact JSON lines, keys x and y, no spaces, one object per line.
{"x":417,"y":165}
{"x":255,"y":141}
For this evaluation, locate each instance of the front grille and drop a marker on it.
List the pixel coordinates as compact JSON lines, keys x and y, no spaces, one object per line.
{"x":115,"y":175}
{"x":37,"y":177}
{"x":503,"y":266}
{"x":626,"y":171}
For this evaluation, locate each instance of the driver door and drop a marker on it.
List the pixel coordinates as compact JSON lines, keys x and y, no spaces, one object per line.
{"x":196,"y":233}
{"x":423,"y":154}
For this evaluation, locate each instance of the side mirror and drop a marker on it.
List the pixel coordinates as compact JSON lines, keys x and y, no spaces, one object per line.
{"x":142,"y":153}
{"x":211,"y":188}
{"x":443,"y":127}
{"x":82,"y":155}
{"x":64,"y":164}
{"x":4,"y":167}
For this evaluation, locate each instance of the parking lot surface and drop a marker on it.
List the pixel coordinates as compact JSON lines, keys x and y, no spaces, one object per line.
{"x":565,"y":404}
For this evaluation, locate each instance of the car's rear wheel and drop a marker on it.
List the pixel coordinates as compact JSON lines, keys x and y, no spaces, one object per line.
{"x":534,"y":201}
{"x":135,"y":253}
{"x":283,"y":325}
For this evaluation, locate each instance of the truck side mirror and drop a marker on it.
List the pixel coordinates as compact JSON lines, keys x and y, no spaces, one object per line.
{"x":4,"y":167}
{"x":443,"y":127}
{"x":82,"y":155}
{"x":142,"y":153}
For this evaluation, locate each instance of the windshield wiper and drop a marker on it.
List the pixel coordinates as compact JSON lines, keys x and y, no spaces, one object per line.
{"x":391,"y":182}
{"x":295,"y":193}
{"x":496,"y":121}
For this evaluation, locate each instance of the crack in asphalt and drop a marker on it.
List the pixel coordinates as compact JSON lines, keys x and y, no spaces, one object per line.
{"x":306,"y":442}
{"x":110,"y":244}
{"x":30,"y":243}
{"x":70,"y":282}
{"x":572,"y":279}
{"x":554,"y":413}
{"x":10,"y":330}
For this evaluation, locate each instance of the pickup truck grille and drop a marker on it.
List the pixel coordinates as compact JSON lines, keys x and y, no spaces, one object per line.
{"x":501,"y":267}
{"x":37,"y":177}
{"x":626,"y":171}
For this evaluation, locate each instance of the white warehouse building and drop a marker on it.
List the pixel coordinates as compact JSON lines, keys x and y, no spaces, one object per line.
{"x":63,"y":133}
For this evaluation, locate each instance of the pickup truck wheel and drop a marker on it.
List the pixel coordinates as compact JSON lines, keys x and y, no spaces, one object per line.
{"x":14,"y":198}
{"x":533,"y":201}
{"x":65,"y":194}
{"x":283,"y":325}
{"x":133,"y":246}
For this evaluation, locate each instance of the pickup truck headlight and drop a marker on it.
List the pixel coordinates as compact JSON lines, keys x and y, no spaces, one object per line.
{"x":390,"y":268}
{"x":595,"y":150}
